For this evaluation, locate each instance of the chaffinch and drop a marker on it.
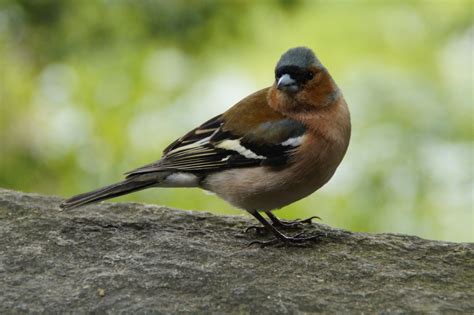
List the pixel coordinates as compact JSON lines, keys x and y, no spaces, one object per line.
{"x":272,"y":148}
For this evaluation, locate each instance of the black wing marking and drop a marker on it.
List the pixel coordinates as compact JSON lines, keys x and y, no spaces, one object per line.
{"x":183,"y":145}
{"x":276,"y":140}
{"x":203,"y":131}
{"x":210,"y":147}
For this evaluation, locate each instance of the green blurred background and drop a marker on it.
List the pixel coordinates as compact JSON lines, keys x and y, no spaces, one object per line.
{"x":91,"y":89}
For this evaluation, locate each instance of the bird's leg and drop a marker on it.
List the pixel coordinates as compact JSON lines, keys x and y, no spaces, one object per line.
{"x":279,"y":237}
{"x":289,"y":224}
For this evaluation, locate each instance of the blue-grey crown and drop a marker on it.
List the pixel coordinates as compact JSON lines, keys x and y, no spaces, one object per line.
{"x":301,"y":57}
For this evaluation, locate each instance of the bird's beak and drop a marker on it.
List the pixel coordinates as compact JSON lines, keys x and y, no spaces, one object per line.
{"x":287,"y":84}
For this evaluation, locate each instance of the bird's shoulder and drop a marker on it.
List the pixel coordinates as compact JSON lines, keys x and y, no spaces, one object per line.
{"x":250,"y":112}
{"x":238,"y":121}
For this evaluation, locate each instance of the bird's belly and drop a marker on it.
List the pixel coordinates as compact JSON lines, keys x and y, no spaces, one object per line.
{"x":262,"y":189}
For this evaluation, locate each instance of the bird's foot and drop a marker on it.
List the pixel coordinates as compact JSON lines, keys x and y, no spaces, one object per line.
{"x":287,"y":224}
{"x":297,"y":240}
{"x":282,"y":224}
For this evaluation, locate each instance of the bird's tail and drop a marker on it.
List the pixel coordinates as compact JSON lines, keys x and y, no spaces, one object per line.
{"x":107,"y":192}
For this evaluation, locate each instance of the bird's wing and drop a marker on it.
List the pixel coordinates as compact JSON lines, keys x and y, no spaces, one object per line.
{"x":211,"y":148}
{"x":220,"y":143}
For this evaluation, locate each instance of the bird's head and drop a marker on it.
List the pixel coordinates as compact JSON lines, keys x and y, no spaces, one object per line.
{"x":295,"y":68}
{"x":300,"y":78}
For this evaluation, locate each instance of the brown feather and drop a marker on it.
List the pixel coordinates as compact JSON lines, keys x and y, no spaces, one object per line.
{"x":249,"y":113}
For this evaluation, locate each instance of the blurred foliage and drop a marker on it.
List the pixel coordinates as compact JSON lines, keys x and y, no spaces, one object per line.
{"x":90,"y":89}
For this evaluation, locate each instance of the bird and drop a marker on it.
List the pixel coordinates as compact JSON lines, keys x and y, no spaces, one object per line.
{"x":272,"y":148}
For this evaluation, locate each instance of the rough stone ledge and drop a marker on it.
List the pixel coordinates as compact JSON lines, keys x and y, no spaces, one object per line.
{"x":134,"y":258}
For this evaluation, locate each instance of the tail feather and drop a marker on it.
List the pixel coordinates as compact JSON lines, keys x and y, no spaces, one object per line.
{"x":107,"y":192}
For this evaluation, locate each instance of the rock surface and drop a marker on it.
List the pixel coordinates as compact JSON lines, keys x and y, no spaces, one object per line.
{"x":134,"y":258}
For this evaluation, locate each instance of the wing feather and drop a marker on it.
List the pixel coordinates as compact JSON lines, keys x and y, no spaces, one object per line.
{"x":215,"y":148}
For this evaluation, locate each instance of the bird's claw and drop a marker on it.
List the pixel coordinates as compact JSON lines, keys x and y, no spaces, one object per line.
{"x":287,"y":224}
{"x":308,"y":220}
{"x":283,"y":224}
{"x":296,"y":223}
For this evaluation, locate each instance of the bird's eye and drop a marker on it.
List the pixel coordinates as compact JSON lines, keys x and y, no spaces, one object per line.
{"x":309,"y":75}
